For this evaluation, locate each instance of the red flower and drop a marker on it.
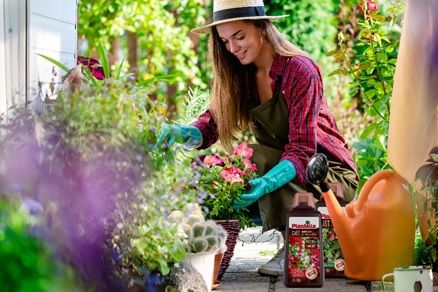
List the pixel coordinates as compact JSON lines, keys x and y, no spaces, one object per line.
{"x":93,"y":65}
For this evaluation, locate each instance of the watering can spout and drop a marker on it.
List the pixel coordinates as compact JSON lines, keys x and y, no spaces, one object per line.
{"x":339,"y":218}
{"x":317,"y":170}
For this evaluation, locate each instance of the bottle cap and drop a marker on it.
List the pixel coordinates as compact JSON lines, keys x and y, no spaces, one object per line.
{"x":303,"y":200}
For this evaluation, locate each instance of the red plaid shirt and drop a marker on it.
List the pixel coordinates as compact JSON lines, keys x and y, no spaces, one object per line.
{"x":312,"y":128}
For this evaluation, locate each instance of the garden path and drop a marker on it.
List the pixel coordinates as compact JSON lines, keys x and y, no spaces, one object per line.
{"x":254,"y":249}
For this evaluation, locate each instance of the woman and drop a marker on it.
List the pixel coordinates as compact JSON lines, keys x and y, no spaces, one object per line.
{"x":263,"y":82}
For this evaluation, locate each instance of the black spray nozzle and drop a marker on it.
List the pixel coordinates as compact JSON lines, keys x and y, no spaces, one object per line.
{"x":317,"y":169}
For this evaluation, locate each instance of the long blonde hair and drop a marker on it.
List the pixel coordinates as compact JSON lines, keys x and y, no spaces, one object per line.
{"x":233,"y":82}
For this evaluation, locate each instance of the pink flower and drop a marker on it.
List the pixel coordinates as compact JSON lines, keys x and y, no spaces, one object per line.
{"x":248,"y":164}
{"x":232,"y":175}
{"x":371,"y":5}
{"x":332,"y":236}
{"x":243,"y":150}
{"x":212,"y":160}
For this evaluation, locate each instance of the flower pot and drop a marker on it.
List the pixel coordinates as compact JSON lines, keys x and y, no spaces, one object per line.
{"x":426,"y":214}
{"x":217,"y":264}
{"x":233,"y":228}
{"x":203,"y":262}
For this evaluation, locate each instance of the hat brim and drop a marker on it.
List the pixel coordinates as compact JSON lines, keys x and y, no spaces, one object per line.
{"x":207,"y":28}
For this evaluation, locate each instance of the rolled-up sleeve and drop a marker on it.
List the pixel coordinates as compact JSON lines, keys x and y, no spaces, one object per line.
{"x":208,"y":127}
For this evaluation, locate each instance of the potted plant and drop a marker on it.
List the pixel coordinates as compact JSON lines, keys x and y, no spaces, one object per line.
{"x":89,"y":158}
{"x":203,"y":239}
{"x":224,"y":178}
{"x":427,"y":204}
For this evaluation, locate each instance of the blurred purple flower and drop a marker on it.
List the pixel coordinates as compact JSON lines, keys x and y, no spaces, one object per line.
{"x":153,"y":282}
{"x":77,"y":196}
{"x":32,"y":207}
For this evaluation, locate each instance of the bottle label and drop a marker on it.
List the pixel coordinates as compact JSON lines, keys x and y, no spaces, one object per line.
{"x":303,"y":256}
{"x":334,"y":263}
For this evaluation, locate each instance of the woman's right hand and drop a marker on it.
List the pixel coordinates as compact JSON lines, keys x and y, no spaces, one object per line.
{"x":190,"y":136}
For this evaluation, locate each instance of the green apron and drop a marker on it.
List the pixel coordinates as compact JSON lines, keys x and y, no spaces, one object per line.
{"x":271,"y":129}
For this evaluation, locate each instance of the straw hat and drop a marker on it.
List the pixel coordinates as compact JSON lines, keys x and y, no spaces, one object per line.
{"x":231,"y":10}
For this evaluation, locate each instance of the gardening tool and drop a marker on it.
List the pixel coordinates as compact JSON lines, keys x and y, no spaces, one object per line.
{"x":376,"y":231}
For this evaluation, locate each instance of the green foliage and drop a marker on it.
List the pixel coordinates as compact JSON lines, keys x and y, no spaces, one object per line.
{"x":119,"y":115}
{"x":311,"y":25}
{"x":225,"y":179}
{"x":112,"y":113}
{"x":371,"y":66}
{"x":423,"y":254}
{"x":195,"y":104}
{"x":27,"y":262}
{"x":155,"y":246}
{"x":371,"y":156}
{"x":162,"y":29}
{"x":147,"y":238}
{"x":220,"y":202}
{"x":55,"y":62}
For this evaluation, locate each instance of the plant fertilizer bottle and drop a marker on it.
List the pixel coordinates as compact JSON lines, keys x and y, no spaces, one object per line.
{"x":304,"y":266}
{"x":334,"y":264}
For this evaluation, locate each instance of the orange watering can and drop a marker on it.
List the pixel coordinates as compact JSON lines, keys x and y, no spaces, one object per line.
{"x":376,"y":232}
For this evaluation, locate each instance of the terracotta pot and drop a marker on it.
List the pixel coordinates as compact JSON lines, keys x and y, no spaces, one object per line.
{"x":217,"y":264}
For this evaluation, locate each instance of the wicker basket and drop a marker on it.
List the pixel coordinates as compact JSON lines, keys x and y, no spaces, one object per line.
{"x":233,"y":228}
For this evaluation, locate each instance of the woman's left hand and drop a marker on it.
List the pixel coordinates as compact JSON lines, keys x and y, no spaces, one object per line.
{"x":256,"y":191}
{"x":278,"y":176}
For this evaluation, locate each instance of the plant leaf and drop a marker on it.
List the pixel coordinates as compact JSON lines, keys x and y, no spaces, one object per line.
{"x":55,"y":62}
{"x":104,"y":61}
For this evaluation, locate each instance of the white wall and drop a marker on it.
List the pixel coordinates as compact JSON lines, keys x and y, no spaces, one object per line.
{"x":2,"y":61}
{"x":12,"y":53}
{"x":52,"y":32}
{"x":28,"y":27}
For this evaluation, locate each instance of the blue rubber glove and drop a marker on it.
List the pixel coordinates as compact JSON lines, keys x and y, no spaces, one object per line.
{"x":278,"y":176}
{"x":187,"y":135}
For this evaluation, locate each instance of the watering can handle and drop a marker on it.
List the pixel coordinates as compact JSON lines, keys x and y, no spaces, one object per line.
{"x":369,"y":184}
{"x":384,"y":278}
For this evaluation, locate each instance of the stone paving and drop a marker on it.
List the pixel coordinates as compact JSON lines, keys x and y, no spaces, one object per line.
{"x":254,"y":249}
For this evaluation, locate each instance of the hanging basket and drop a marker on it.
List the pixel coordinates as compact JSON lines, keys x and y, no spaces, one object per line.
{"x":232,"y":227}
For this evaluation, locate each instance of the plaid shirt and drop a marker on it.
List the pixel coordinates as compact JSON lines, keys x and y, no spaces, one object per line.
{"x":312,"y":128}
